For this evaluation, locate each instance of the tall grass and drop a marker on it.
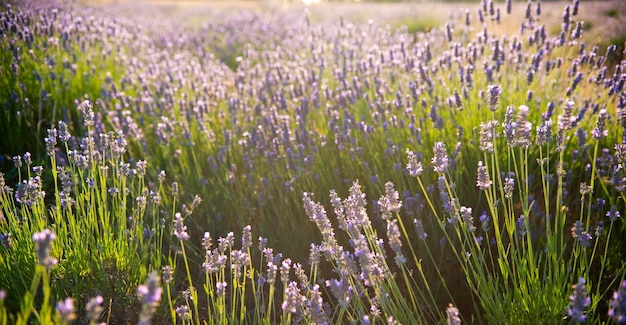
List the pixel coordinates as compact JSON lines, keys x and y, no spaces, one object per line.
{"x":497,"y":161}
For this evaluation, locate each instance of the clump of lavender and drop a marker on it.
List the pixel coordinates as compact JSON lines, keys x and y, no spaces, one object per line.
{"x":150,"y":295}
{"x":617,"y":305}
{"x":43,"y":246}
{"x":579,"y":301}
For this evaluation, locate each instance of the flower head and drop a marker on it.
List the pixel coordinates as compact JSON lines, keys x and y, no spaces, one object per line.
{"x":150,"y":296}
{"x":440,"y":160}
{"x":613,"y":214}
{"x":43,"y":245}
{"x":65,"y":309}
{"x":580,"y":233}
{"x":183,"y":313}
{"x":483,"y":182}
{"x":180,"y":230}
{"x":493,"y":96}
{"x":419,"y":227}
{"x":617,"y":305}
{"x":94,"y":308}
{"x":414,"y":166}
{"x":88,"y":115}
{"x":579,"y":301}
{"x":389,"y":203}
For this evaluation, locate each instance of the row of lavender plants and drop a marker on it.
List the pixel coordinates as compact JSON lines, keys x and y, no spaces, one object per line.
{"x":134,"y":149}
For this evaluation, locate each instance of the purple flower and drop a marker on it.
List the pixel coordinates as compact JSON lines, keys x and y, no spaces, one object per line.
{"x":246,"y":237}
{"x":493,"y":96}
{"x":600,"y":131}
{"x":617,"y":305}
{"x":88,"y":115}
{"x":150,"y":295}
{"x":579,"y":301}
{"x":520,"y":226}
{"x":466,"y":216}
{"x":393,"y":233}
{"x":484,"y":221}
{"x":180,"y":230}
{"x":293,"y":300}
{"x":272,"y":269}
{"x":168,"y":274}
{"x":94,"y":309}
{"x":613,"y":214}
{"x":482,"y":180}
{"x":63,"y":133}
{"x":522,"y":127}
{"x":509,"y":126}
{"x":43,"y":245}
{"x":440,"y":159}
{"x":220,"y":288}
{"x":414,"y":167}
{"x":315,"y":306}
{"x":65,"y":309}
{"x":579,"y":232}
{"x":487,"y":135}
{"x":183,"y":313}
{"x":284,"y":271}
{"x":419,"y":227}
{"x":509,"y":186}
{"x":389,"y":203}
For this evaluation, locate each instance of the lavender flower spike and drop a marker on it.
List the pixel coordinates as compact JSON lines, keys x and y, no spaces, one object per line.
{"x":493,"y":96}
{"x":579,"y":302}
{"x":43,"y":245}
{"x":414,"y":167}
{"x":617,"y":305}
{"x":150,"y":295}
{"x":180,"y":230}
{"x":440,"y":160}
{"x":88,"y":115}
{"x":483,"y":182}
{"x":65,"y":309}
{"x":452,"y":315}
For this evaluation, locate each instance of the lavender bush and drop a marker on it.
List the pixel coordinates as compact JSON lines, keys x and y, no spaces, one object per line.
{"x":475,"y":171}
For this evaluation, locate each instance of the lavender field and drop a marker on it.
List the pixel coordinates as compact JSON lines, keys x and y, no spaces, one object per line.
{"x":266,"y":163}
